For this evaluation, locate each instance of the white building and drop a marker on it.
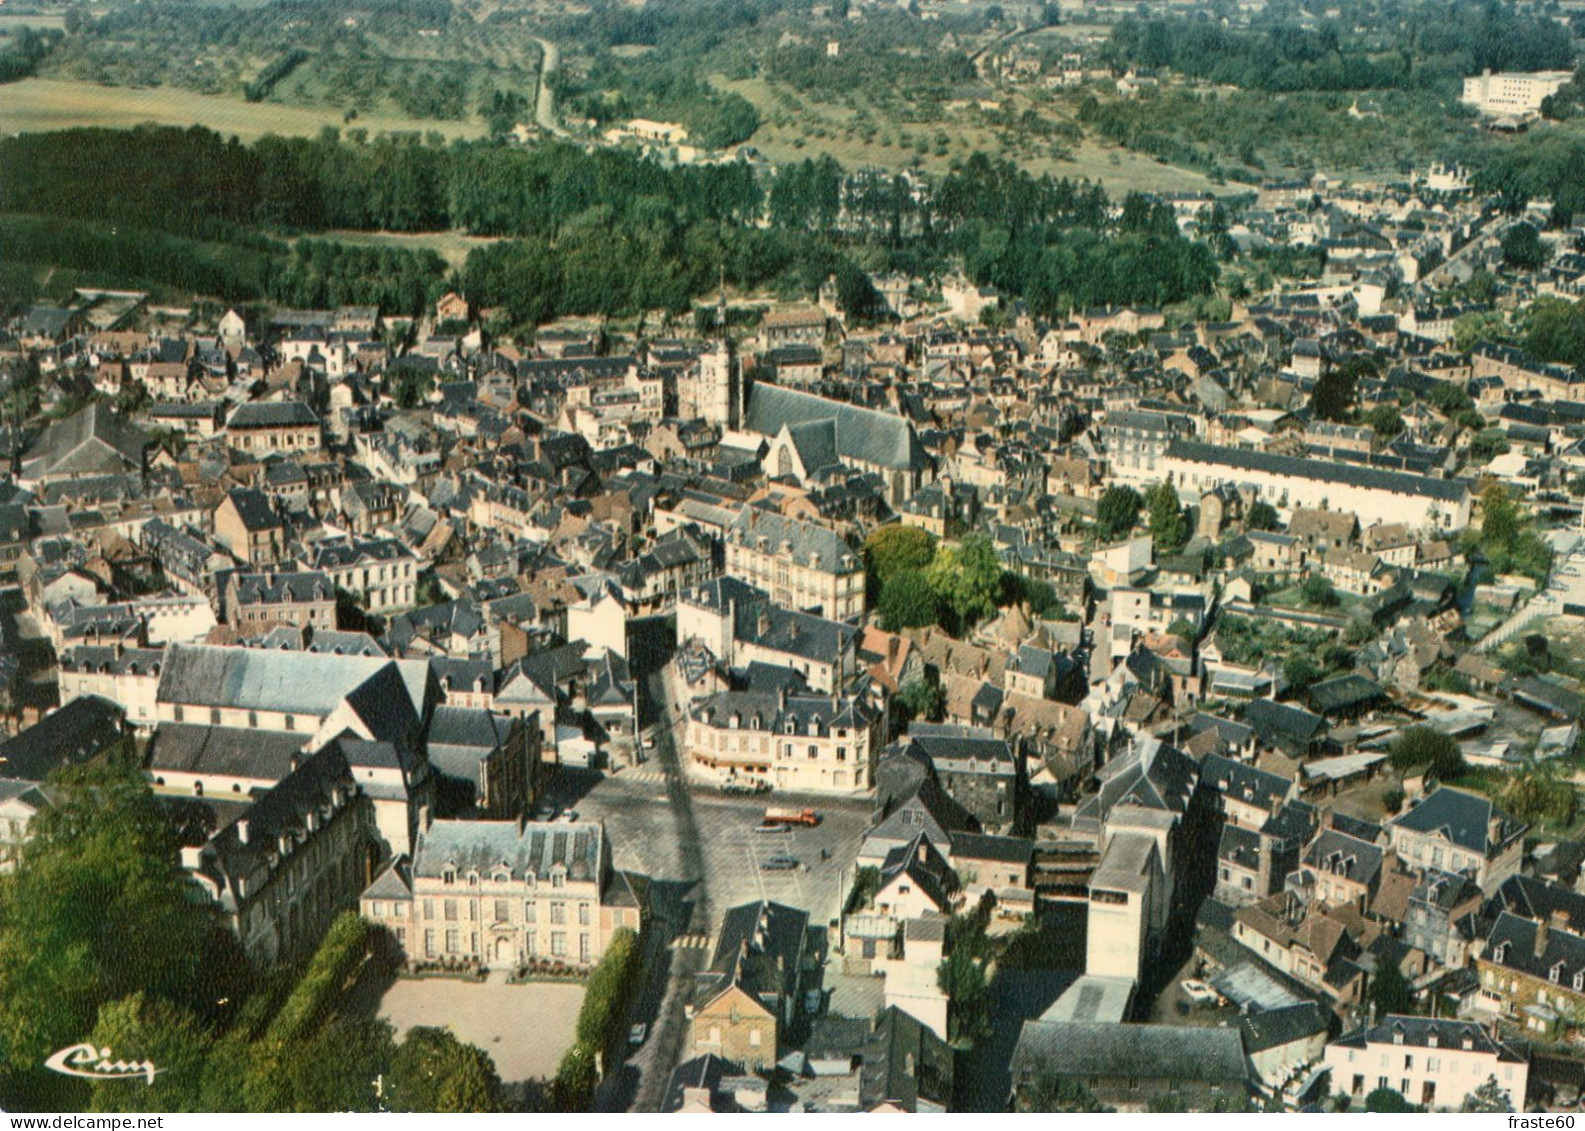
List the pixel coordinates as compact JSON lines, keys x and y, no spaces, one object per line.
{"x":1510,"y":92}
{"x":1421,"y":501}
{"x":1429,"y":1062}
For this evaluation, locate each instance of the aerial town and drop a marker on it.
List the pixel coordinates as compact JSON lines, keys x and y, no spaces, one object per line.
{"x":945,"y":699}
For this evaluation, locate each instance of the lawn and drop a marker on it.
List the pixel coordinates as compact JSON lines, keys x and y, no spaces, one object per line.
{"x":41,"y":105}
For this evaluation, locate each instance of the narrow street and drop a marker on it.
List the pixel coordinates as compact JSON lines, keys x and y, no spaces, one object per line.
{"x":680,"y":908}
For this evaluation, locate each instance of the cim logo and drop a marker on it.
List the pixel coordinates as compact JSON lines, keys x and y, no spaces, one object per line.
{"x":95,"y":1064}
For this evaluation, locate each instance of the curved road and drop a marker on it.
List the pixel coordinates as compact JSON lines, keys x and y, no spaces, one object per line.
{"x":545,"y":102}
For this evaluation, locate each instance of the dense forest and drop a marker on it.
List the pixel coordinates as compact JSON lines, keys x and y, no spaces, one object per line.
{"x":606,"y":231}
{"x":1366,"y":45}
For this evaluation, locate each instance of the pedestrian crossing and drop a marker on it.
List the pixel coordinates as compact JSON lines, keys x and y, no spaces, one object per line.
{"x":691,"y":942}
{"x":651,"y":776}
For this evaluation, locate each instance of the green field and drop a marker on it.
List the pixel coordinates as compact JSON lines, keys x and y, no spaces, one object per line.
{"x":794,"y":128}
{"x":37,"y":105}
{"x":453,"y":247}
{"x":16,"y":21}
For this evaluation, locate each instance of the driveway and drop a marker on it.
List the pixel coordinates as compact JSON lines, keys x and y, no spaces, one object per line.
{"x":525,"y":1028}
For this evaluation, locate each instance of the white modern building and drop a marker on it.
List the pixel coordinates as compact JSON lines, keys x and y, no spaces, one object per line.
{"x":1512,"y":92}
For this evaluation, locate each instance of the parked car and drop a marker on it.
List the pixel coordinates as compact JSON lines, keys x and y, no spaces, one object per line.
{"x":772,"y":828}
{"x":636,"y":1035}
{"x":1200,"y":993}
{"x":779,"y":864}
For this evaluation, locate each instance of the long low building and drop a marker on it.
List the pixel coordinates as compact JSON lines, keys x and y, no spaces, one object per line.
{"x":1291,"y":481}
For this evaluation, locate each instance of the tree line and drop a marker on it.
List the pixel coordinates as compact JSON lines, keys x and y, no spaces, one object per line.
{"x":607,"y":231}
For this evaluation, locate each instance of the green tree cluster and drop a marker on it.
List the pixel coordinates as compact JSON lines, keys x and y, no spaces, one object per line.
{"x":600,"y":1021}
{"x":1117,"y":512}
{"x":1169,"y":527}
{"x":1425,"y":748}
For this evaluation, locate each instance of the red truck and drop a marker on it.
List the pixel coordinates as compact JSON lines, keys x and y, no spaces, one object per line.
{"x":775,"y":816}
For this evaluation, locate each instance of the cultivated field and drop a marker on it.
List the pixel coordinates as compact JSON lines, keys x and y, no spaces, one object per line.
{"x":41,"y":105}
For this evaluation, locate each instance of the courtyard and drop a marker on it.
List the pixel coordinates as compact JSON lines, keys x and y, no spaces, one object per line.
{"x":525,"y":1028}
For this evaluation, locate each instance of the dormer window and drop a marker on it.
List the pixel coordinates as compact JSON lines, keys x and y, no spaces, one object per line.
{"x":1579,"y":980}
{"x":792,"y":726}
{"x":814,"y":725}
{"x":1500,"y":954}
{"x":1431,"y":1039}
{"x":449,"y":876}
{"x":1397,"y":1035}
{"x":1557,"y":972}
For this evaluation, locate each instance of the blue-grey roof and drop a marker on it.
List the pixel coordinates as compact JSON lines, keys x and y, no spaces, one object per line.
{"x":533,"y":847}
{"x":862,"y":434}
{"x":1325,"y":471}
{"x":1463,"y":818}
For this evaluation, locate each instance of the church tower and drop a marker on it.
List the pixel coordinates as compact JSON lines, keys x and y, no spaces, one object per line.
{"x":720,"y":387}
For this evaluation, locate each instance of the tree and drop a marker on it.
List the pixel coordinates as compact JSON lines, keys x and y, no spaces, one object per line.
{"x":1489,"y":1097}
{"x":1426,"y":747}
{"x":1318,"y":592}
{"x":140,"y":1028}
{"x":102,"y":854}
{"x":1389,"y":990}
{"x":961,"y":977}
{"x":1333,"y":396}
{"x":908,"y":600}
{"x":1386,"y":420}
{"x":1183,"y":627}
{"x":1300,"y":671}
{"x":433,"y":1071}
{"x":921,"y":699}
{"x":1167,"y":525}
{"x":895,"y":548}
{"x":1263,"y":516}
{"x":967,"y":579}
{"x":1117,"y":512}
{"x":1488,"y":444}
{"x":1389,"y":1101}
{"x":1522,"y":248}
{"x":1500,"y":520}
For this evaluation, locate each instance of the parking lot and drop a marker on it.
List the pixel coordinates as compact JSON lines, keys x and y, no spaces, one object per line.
{"x":635,"y":808}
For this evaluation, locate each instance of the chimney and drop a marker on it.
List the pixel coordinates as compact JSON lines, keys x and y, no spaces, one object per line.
{"x":191,"y":857}
{"x":1543,"y":935}
{"x":892,"y":645}
{"x":242,"y":831}
{"x":1559,"y":919}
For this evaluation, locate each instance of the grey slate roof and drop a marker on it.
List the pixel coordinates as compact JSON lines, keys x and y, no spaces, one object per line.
{"x":809,"y":540}
{"x":1100,"y":1050}
{"x":225,"y":751}
{"x":77,"y":733}
{"x":532,"y":847}
{"x":1416,"y":1032}
{"x":1461,"y":817}
{"x":862,"y":434}
{"x":1325,"y":471}
{"x":272,"y":414}
{"x":1274,"y":1028}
